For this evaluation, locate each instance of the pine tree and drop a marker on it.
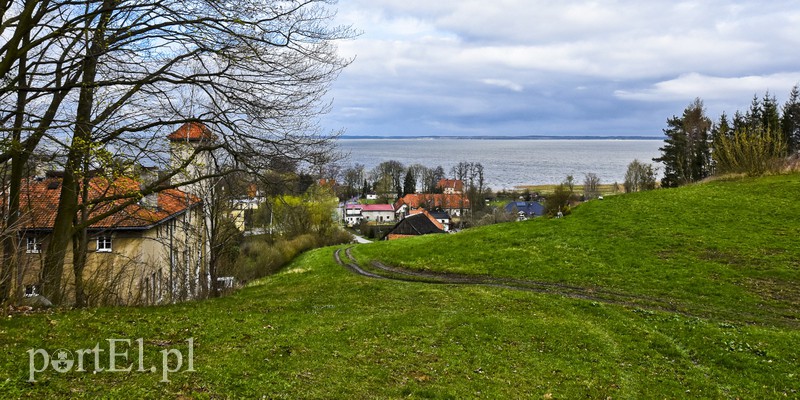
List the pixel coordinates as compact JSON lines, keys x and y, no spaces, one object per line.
{"x":770,"y":115}
{"x":753,"y":117}
{"x":686,"y":153}
{"x":720,"y":131}
{"x":410,"y":184}
{"x":673,"y":153}
{"x":791,"y":120}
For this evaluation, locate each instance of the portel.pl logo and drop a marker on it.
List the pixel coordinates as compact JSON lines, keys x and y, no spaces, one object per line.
{"x":64,"y":361}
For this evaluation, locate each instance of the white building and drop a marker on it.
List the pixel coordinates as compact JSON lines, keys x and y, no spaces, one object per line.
{"x":380,"y":213}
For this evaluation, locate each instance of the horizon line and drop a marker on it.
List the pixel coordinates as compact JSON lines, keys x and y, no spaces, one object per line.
{"x":509,"y":137}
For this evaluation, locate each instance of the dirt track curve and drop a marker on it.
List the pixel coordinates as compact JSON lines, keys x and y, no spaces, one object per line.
{"x":380,"y":270}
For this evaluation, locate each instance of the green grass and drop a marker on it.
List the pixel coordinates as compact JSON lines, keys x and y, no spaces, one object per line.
{"x":317,"y":331}
{"x":604,"y":189}
{"x":725,"y":249}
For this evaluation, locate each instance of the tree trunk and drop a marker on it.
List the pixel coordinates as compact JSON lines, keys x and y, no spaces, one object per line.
{"x":80,"y":242}
{"x":79,"y":150}
{"x":10,"y":259}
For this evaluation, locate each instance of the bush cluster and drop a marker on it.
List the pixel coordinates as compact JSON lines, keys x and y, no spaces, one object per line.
{"x":259,"y":257}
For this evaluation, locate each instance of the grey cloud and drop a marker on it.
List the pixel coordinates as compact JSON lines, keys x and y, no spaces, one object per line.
{"x":538,"y":67}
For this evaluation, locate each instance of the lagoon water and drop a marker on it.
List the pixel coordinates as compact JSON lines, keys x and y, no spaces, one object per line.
{"x":510,"y":162}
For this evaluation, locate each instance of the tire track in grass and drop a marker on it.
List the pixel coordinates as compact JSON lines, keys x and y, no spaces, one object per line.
{"x":380,"y":270}
{"x":383,"y":271}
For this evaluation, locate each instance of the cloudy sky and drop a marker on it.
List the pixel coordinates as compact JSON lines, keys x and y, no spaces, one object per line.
{"x":531,"y":67}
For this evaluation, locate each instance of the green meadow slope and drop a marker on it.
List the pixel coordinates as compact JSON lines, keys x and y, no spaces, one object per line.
{"x":724,"y":249}
{"x":686,"y":293}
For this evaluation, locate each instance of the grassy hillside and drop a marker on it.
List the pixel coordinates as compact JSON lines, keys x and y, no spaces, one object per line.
{"x":725,"y":249}
{"x":724,"y":254}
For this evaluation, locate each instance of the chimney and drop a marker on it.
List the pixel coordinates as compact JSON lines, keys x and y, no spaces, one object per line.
{"x":148,"y":176}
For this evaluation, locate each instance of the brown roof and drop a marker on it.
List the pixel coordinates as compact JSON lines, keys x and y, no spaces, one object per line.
{"x":39,"y":202}
{"x":414,"y":225}
{"x":191,"y":132}
{"x":455,"y":184}
{"x":429,"y":215}
{"x":431,"y":201}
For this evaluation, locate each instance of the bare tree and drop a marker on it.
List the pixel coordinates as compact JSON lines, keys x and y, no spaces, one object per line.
{"x":353,"y":179}
{"x":591,"y":186}
{"x":639,"y":177}
{"x":116,"y":79}
{"x":431,"y":178}
{"x":388,"y":178}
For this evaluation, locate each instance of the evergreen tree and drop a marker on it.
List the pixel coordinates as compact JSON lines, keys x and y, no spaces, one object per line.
{"x":739,"y":121}
{"x":365,"y":188}
{"x":673,"y":153}
{"x":754,"y":116}
{"x":686,"y":153}
{"x":410,"y":183}
{"x":791,"y":120}
{"x":697,"y":126}
{"x":720,"y":131}
{"x":770,"y":115}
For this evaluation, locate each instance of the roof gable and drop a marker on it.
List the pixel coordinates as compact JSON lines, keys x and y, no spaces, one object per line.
{"x":418,"y":224}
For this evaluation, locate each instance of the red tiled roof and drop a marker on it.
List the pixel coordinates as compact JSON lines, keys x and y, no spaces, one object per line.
{"x":377,"y":207}
{"x":447,"y":201}
{"x":455,"y":184}
{"x":39,"y":202}
{"x":191,"y":132}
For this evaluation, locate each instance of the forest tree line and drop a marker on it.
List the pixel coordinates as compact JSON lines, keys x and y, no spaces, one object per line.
{"x":756,"y":141}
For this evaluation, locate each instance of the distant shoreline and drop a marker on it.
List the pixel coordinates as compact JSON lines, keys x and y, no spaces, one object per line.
{"x":527,"y":137}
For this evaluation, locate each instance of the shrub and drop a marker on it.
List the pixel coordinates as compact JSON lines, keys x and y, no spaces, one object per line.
{"x":639,"y":177}
{"x":259,"y":257}
{"x":558,"y":201}
{"x":749,"y":151}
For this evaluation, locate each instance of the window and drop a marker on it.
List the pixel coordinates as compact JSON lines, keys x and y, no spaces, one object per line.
{"x":104,"y":243}
{"x":31,"y":290}
{"x":33,"y":245}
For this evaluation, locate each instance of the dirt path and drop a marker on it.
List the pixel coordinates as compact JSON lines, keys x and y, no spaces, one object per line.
{"x":380,"y":270}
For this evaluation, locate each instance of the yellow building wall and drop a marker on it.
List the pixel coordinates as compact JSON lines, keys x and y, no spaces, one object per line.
{"x":159,"y":265}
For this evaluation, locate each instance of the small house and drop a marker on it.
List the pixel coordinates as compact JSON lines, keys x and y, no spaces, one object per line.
{"x":422,"y":223}
{"x":525,"y":209}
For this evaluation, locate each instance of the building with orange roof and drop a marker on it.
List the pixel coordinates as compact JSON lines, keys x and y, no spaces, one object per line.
{"x":141,"y":250}
{"x":192,"y":132}
{"x":144,"y":252}
{"x":453,"y":204}
{"x":451,"y":186}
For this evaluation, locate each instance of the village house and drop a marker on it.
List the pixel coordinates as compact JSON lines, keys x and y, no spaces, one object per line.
{"x":453,"y":204}
{"x":380,"y":213}
{"x":450,"y":186}
{"x":524,"y":210}
{"x":421,"y":223}
{"x":243,"y":208}
{"x":149,"y":251}
{"x":443,"y":218}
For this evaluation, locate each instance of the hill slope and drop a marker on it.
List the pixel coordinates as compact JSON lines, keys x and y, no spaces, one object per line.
{"x":725,"y":249}
{"x":316,"y":330}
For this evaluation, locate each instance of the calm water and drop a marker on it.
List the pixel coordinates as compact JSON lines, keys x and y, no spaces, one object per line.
{"x":509,"y":163}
